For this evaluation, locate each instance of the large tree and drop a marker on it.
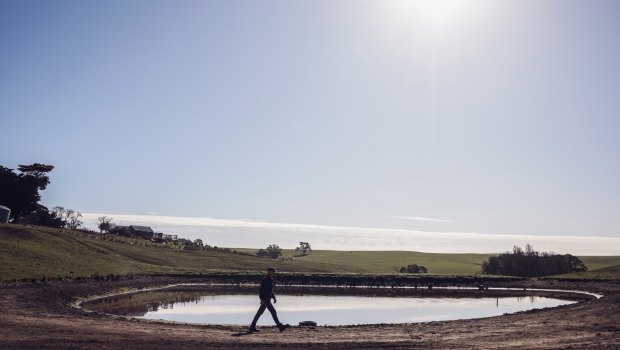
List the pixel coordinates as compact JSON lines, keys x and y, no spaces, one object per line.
{"x":20,"y":191}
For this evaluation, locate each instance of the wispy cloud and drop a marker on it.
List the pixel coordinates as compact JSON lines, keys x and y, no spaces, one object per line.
{"x":419,"y":218}
{"x":255,"y":234}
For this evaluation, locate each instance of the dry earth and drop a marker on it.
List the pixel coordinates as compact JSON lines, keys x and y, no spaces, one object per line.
{"x":38,"y":316}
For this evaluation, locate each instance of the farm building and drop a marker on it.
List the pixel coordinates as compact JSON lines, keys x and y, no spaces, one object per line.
{"x":163,"y":237}
{"x":140,"y":231}
{"x":119,"y":230}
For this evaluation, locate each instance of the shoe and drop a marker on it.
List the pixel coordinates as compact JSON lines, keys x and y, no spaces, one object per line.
{"x":253,"y":330}
{"x":282,"y":327}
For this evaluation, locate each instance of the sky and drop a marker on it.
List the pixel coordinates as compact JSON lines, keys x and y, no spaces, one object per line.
{"x":443,"y":126}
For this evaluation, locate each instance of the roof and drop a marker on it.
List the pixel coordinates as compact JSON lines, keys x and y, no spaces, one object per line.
{"x":141,"y":228}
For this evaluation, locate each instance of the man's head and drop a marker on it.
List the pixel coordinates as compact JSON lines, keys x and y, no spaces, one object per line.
{"x":271,"y":271}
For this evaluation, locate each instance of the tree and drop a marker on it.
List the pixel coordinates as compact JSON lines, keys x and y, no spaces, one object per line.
{"x":20,"y":192}
{"x":43,"y":217}
{"x":198,"y":243}
{"x":304,"y":248}
{"x":530,"y":263}
{"x":39,"y":172}
{"x":273,"y":251}
{"x":71,"y":217}
{"x":105,"y":224}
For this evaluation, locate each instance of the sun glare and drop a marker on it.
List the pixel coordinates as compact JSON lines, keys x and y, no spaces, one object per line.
{"x":430,"y":10}
{"x":437,"y":10}
{"x":435,"y":14}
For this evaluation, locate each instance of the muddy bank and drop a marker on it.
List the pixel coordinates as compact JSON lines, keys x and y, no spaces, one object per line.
{"x":38,"y":316}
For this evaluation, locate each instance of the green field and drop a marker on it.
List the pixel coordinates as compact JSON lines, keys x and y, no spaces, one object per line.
{"x":38,"y":252}
{"x":392,"y":261}
{"x":609,"y":272}
{"x":600,"y":262}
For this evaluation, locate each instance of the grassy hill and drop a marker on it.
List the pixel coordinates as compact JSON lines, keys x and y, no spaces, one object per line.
{"x":609,"y":272}
{"x":392,"y":261}
{"x":37,"y":252}
{"x":600,"y":262}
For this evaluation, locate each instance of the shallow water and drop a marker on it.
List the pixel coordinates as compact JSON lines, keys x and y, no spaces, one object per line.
{"x":209,"y":308}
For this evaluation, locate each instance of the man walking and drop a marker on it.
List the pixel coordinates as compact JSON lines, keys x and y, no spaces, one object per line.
{"x":265,"y":293}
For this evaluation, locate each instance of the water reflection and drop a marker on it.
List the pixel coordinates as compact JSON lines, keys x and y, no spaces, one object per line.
{"x":139,"y":304}
{"x":208,"y":307}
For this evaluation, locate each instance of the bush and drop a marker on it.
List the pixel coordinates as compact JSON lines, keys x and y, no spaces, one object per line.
{"x":273,"y":251}
{"x":414,"y":268}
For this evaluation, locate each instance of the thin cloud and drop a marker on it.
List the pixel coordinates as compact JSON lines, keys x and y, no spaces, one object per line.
{"x":257,"y":234}
{"x":420,"y":218}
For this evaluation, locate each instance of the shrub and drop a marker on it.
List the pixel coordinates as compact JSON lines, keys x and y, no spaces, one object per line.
{"x":414,"y":268}
{"x":273,"y":251}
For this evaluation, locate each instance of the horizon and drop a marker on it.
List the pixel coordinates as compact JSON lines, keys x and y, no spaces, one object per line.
{"x":235,"y":233}
{"x":448,"y":124}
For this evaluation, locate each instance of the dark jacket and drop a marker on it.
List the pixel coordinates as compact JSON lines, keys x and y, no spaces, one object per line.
{"x":266,"y":288}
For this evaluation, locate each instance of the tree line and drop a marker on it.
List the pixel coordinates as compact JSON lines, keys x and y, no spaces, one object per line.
{"x":19,"y":191}
{"x":530,"y":263}
{"x":274,"y":251}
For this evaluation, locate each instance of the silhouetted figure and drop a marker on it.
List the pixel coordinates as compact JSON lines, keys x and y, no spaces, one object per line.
{"x":265,"y":293}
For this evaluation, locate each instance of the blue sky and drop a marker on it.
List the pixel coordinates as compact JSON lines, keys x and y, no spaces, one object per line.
{"x":487,"y":117}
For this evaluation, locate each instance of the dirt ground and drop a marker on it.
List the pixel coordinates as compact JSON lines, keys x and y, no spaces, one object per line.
{"x":38,"y":316}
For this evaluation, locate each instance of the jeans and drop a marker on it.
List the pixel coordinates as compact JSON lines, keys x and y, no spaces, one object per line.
{"x":266,"y":304}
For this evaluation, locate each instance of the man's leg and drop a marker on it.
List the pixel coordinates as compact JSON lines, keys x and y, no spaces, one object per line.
{"x":272,"y":309}
{"x":260,"y":311}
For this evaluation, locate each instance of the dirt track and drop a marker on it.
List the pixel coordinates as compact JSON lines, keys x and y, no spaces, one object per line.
{"x":37,"y":316}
